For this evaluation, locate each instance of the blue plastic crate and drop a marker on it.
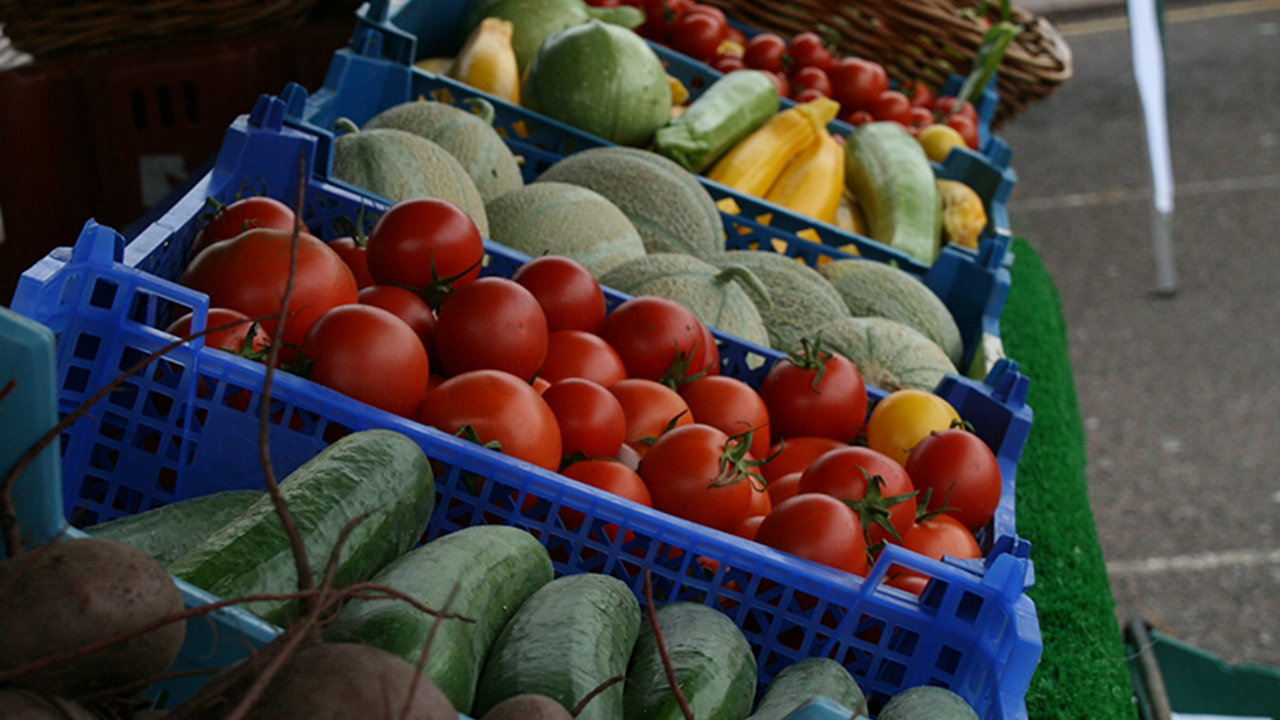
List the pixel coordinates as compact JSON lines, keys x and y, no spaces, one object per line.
{"x":174,"y":432}
{"x":972,"y":284}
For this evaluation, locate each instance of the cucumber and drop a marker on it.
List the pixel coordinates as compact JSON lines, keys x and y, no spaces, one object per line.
{"x":495,"y":569}
{"x":713,"y":665}
{"x":166,"y":532}
{"x":805,"y":680}
{"x":379,"y":472}
{"x":887,"y":171}
{"x":733,"y":107}
{"x":567,"y":639}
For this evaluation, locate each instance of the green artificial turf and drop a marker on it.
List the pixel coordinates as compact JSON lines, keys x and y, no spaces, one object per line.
{"x":1082,"y":673}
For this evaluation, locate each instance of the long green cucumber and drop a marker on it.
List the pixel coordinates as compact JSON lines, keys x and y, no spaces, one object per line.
{"x":379,"y":472}
{"x":495,"y":568}
{"x":887,"y":171}
{"x":733,"y":107}
{"x":805,"y":680}
{"x":566,"y":640}
{"x":713,"y":664}
{"x":167,"y":532}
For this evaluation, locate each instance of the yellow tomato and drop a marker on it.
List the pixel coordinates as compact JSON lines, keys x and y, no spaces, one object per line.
{"x":938,"y":140}
{"x":904,"y":418}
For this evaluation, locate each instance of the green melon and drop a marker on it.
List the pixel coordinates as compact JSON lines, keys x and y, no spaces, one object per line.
{"x":719,"y":297}
{"x":666,"y":203}
{"x":534,"y":20}
{"x":802,"y":298}
{"x":890,"y":355}
{"x":873,"y":289}
{"x":399,"y":165}
{"x":927,"y":702}
{"x":602,"y":79}
{"x":561,"y":219}
{"x":467,"y":136}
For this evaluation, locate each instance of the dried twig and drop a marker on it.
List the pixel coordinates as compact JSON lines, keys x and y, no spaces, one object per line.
{"x":662,"y":647}
{"x":426,"y":650}
{"x":582,"y":704}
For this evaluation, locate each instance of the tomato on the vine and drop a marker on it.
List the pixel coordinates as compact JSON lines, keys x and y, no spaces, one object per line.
{"x":370,"y":355}
{"x":493,"y":323}
{"x":574,"y":353}
{"x":818,"y":528}
{"x":857,"y":83}
{"x":764,"y":52}
{"x":497,"y":407}
{"x":879,"y":489}
{"x":425,"y":244}
{"x":255,"y":211}
{"x":905,"y":417}
{"x":590,"y":417}
{"x":806,"y":50}
{"x":815,"y":392}
{"x":694,"y":472}
{"x":933,"y":537}
{"x":569,"y":294}
{"x":960,"y":470}
{"x":655,"y":337}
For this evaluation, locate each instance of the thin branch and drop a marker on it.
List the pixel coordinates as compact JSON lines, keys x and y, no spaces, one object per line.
{"x":582,"y":704}
{"x":426,"y":650}
{"x":662,"y":647}
{"x":290,"y":646}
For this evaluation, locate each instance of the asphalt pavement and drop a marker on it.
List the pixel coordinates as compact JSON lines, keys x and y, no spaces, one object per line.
{"x":1180,"y":395}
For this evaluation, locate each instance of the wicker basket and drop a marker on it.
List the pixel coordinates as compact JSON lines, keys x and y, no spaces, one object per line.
{"x":924,"y":39}
{"x":52,"y":28}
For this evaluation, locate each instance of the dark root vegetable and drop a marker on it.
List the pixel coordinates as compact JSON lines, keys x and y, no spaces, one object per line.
{"x":20,"y":704}
{"x":72,"y":593}
{"x":528,"y":707}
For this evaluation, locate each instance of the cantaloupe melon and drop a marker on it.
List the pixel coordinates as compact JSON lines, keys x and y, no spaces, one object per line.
{"x":562,"y":219}
{"x":666,"y":203}
{"x":890,"y":355}
{"x":802,"y":298}
{"x":873,"y":289}
{"x":467,"y":136}
{"x":399,"y":165}
{"x":719,"y":297}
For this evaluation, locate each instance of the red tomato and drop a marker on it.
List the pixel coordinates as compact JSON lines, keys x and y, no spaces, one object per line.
{"x":356,"y":256}
{"x":698,"y":35}
{"x":655,"y":337}
{"x":944,"y":106}
{"x":892,"y":105}
{"x":569,"y":294}
{"x":249,"y":272}
{"x":735,"y":35}
{"x":661,"y":17}
{"x":574,"y":353}
{"x":967,"y":128}
{"x":692,"y":473}
{"x":493,"y":323}
{"x":921,"y":118}
{"x":610,"y":476}
{"x":959,"y":469}
{"x":540,"y":384}
{"x":716,"y":13}
{"x":781,"y":82}
{"x":710,"y":352}
{"x":933,"y":538}
{"x":749,"y":527}
{"x":811,"y":78}
{"x":920,"y":94}
{"x":794,"y":455}
{"x":856,"y":83}
{"x":370,"y":355}
{"x":764,"y":52}
{"x":728,"y":63}
{"x":761,"y":501}
{"x":408,"y":307}
{"x":730,"y":405}
{"x":230,"y":339}
{"x":426,"y":245}
{"x":784,"y":488}
{"x":650,"y":407}
{"x":498,"y":406}
{"x":849,"y":474}
{"x":904,"y":418}
{"x":590,"y":418}
{"x":818,"y":528}
{"x":242,"y":215}
{"x":857,"y":117}
{"x":807,"y":95}
{"x":806,"y":50}
{"x":802,"y":401}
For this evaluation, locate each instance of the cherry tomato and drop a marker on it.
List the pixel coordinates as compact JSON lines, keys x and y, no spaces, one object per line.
{"x":356,"y":256}
{"x":806,"y":50}
{"x":904,"y":418}
{"x":650,"y":408}
{"x":716,"y":13}
{"x":967,"y":128}
{"x":698,"y":35}
{"x":728,"y":63}
{"x":690,"y":474}
{"x":230,"y":339}
{"x":610,"y":476}
{"x":933,"y":538}
{"x":426,"y":245}
{"x":735,"y":35}
{"x":249,"y":272}
{"x":818,"y":528}
{"x":497,"y":406}
{"x":730,"y":405}
{"x":802,"y":401}
{"x":921,"y":118}
{"x":784,"y":488}
{"x":245,"y":214}
{"x":569,"y":294}
{"x":892,"y":105}
{"x":408,"y":307}
{"x":591,"y":419}
{"x":807,"y":95}
{"x":655,"y":336}
{"x":370,"y":355}
{"x":781,"y":82}
{"x":960,"y":470}
{"x":944,"y":106}
{"x":850,"y":474}
{"x":857,"y":117}
{"x":574,"y":353}
{"x":920,"y":94}
{"x":493,"y":323}
{"x":764,"y":52}
{"x":857,"y":83}
{"x":811,"y":78}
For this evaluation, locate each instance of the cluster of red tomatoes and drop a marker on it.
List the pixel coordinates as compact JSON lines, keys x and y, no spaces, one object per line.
{"x":629,"y":401}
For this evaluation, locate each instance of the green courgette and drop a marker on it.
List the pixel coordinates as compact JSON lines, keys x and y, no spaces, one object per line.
{"x":732,"y":108}
{"x":379,"y":472}
{"x":566,"y":640}
{"x":713,"y":664}
{"x":167,"y":532}
{"x":887,"y":171}
{"x":495,"y":568}
{"x":805,"y":680}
